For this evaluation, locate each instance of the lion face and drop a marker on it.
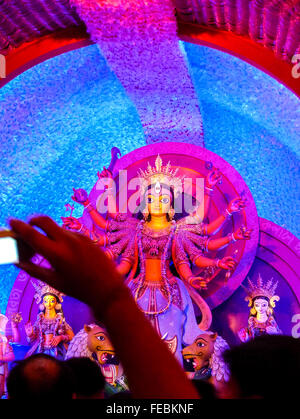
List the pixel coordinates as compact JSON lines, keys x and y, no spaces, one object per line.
{"x":197,"y":354}
{"x":100,"y":345}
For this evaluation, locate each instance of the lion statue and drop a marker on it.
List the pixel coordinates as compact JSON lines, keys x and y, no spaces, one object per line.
{"x":203,"y":358}
{"x":93,"y":342}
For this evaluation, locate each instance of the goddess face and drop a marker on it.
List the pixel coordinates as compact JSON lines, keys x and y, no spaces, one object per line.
{"x":261,"y":306}
{"x":158,"y":200}
{"x":158,"y":204}
{"x":49,"y":302}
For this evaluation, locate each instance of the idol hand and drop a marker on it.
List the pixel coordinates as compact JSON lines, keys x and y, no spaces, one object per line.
{"x":71,"y":223}
{"x":80,"y":196}
{"x":226,"y":263}
{"x":107,"y":175}
{"x":236,"y":205}
{"x":55,"y":341}
{"x":213,"y":177}
{"x":242,"y":234}
{"x":28,"y":329}
{"x":197,"y":282}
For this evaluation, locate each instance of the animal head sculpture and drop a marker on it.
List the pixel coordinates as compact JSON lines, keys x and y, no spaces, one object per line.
{"x":93,"y":342}
{"x":206,"y":353}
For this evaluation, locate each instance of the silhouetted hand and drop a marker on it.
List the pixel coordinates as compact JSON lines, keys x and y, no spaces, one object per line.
{"x":79,"y":268}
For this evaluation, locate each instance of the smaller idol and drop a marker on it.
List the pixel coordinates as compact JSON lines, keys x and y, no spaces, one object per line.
{"x":51,"y":333}
{"x":6,"y":350}
{"x":261,"y":300}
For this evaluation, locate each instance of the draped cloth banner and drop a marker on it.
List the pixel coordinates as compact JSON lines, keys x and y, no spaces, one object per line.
{"x":139,"y":41}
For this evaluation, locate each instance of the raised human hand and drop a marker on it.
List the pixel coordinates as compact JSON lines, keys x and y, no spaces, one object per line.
{"x":242,"y":233}
{"x":71,"y":223}
{"x":226,"y":263}
{"x":236,"y":205}
{"x":213,"y":177}
{"x":79,"y":268}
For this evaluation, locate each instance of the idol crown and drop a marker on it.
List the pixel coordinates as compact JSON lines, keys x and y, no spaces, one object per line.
{"x":42,"y":289}
{"x":162,"y":175}
{"x":261,"y":289}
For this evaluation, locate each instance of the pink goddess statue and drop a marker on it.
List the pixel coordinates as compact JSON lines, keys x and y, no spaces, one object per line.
{"x":262,"y":300}
{"x":51,"y":333}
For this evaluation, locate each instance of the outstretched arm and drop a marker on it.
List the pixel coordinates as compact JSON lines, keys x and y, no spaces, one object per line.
{"x":225,"y":263}
{"x":235,"y":205}
{"x":82,"y":270}
{"x":241,"y":234}
{"x":186,"y":273}
{"x":71,"y":223}
{"x":80,"y":196}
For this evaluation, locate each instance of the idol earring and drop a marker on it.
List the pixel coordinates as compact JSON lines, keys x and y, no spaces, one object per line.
{"x":145,"y":215}
{"x":171,"y":214}
{"x":41,"y":307}
{"x":58,"y":307}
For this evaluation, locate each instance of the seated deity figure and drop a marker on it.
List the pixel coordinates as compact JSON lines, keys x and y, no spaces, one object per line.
{"x":262,"y":301}
{"x":148,"y":243}
{"x":50,"y":334}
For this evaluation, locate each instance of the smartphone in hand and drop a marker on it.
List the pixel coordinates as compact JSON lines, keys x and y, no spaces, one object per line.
{"x":8,"y":248}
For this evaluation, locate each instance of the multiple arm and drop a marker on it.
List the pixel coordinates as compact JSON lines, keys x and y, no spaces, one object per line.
{"x":241,"y":234}
{"x":213,"y":177}
{"x":235,"y":205}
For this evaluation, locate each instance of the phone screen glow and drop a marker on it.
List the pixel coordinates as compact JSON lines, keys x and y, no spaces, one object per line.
{"x":8,"y":250}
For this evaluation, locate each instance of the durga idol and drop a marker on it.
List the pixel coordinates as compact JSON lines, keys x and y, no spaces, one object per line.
{"x":149,"y":242}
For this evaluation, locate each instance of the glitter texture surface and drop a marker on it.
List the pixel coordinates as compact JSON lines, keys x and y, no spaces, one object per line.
{"x":60,"y":119}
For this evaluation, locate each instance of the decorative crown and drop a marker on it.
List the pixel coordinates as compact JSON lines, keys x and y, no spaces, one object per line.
{"x":160,"y":174}
{"x":42,"y":289}
{"x":261,"y":289}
